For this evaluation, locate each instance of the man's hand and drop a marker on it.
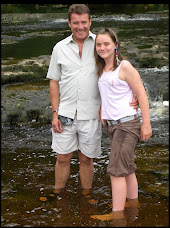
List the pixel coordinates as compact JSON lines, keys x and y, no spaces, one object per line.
{"x":56,"y":124}
{"x":103,"y":121}
{"x":100,"y":117}
{"x":134,"y":102}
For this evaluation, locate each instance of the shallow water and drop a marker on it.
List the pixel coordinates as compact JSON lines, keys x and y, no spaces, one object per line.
{"x":28,"y":173}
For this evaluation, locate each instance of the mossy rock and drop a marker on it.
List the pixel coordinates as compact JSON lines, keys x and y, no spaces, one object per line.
{"x":26,"y":70}
{"x":13,"y":118}
{"x":151,"y":62}
{"x":33,"y":114}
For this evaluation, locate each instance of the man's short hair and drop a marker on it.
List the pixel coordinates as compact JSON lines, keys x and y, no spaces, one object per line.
{"x":78,"y":9}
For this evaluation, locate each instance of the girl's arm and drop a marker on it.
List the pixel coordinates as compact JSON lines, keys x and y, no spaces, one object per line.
{"x":132,"y":77}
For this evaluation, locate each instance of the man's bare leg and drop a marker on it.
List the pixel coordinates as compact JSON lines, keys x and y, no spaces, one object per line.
{"x":86,"y":176}
{"x":86,"y":172}
{"x":62,"y":171}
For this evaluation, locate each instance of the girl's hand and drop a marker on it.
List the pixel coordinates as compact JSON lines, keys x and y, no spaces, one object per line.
{"x":146,"y":132}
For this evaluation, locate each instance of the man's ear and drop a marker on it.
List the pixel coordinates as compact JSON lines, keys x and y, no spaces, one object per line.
{"x":69,"y":23}
{"x":90,"y":21}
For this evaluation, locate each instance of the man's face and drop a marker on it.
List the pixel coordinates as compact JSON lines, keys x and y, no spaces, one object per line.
{"x":80,"y":26}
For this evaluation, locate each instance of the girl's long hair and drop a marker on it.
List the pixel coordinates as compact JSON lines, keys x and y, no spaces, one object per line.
{"x":100,"y":61}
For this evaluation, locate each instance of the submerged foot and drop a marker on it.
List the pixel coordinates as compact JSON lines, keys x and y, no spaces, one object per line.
{"x":87,"y":193}
{"x":92,"y":201}
{"x":111,"y":216}
{"x":51,"y":196}
{"x":130,"y":203}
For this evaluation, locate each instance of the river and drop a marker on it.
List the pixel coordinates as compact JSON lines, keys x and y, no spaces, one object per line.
{"x":27,"y":161}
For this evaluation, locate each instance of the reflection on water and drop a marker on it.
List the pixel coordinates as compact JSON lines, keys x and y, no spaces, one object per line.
{"x":28,"y":173}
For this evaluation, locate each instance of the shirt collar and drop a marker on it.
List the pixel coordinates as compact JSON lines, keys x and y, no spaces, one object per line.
{"x":70,"y":38}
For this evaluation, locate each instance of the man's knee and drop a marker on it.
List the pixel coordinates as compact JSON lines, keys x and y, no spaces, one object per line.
{"x":64,"y":159}
{"x":84,"y":159}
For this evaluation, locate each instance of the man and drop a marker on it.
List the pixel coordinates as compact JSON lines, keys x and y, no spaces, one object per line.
{"x":75,"y":100}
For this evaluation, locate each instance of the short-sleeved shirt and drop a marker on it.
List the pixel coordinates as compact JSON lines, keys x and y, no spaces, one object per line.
{"x":78,"y":80}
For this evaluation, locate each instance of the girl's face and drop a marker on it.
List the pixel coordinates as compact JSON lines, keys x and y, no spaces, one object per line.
{"x":105,"y":47}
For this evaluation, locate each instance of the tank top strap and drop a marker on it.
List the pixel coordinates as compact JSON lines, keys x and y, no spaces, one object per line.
{"x":116,"y":71}
{"x":118,"y":68}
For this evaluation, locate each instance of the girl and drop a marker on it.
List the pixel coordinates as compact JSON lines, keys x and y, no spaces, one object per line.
{"x":118,"y":79}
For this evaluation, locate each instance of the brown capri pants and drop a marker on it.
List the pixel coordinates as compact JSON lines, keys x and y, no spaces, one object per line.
{"x":124,"y":137}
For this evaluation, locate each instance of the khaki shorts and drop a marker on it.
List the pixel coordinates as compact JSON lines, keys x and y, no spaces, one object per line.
{"x":84,"y":135}
{"x":124,"y":137}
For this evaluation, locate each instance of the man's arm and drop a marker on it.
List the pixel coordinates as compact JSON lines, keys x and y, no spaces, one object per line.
{"x":54,"y":97}
{"x":102,"y":120}
{"x":134,"y":102}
